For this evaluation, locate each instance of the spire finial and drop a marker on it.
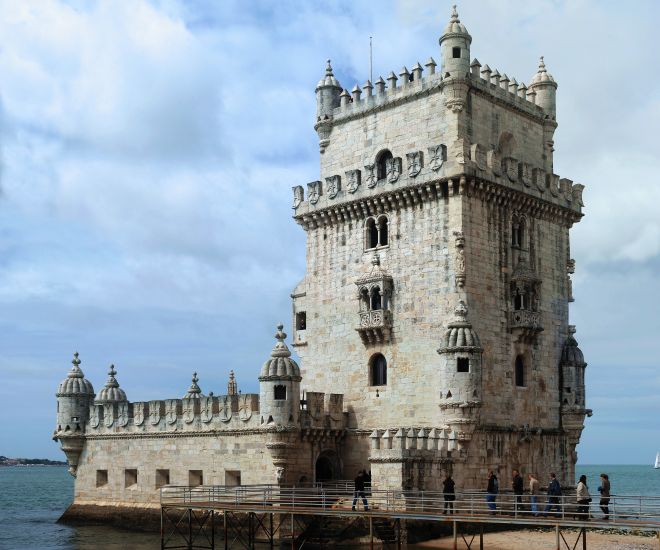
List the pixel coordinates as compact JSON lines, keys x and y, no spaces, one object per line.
{"x":328,"y":69}
{"x":75,"y":361}
{"x":231,"y":385}
{"x":571,"y":329}
{"x":112,"y":372}
{"x":461,"y":309}
{"x":542,"y":65}
{"x":194,"y":378}
{"x":454,"y":14}
{"x":281,"y":335}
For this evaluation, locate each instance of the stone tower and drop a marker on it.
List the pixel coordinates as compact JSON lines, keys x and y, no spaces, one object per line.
{"x":438,"y":273}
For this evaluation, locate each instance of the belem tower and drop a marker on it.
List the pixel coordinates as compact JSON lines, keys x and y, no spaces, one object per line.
{"x":432,"y":324}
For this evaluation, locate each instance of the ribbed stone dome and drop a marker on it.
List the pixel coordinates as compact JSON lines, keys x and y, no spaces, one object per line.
{"x":460,"y":335}
{"x":280,"y":365}
{"x":75,"y":383}
{"x":328,"y":79}
{"x":571,"y":354}
{"x":542,"y":75}
{"x":455,"y":26}
{"x":111,"y":392}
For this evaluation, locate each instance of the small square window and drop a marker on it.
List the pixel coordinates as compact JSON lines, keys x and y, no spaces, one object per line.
{"x":232,"y":478}
{"x":195,"y":477}
{"x":162,"y":478}
{"x":280,"y":392}
{"x":462,"y":364}
{"x":130,"y":477}
{"x":101,"y":478}
{"x":456,"y":53}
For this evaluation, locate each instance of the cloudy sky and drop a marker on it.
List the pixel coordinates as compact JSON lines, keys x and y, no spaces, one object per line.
{"x":148,"y":151}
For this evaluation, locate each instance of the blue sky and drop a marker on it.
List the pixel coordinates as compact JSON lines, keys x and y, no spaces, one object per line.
{"x":148,"y":152}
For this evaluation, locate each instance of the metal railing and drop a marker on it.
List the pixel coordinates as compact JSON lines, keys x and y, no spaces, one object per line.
{"x":624,"y":510}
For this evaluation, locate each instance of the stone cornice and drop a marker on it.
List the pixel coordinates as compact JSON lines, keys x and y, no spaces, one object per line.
{"x":197,"y":433}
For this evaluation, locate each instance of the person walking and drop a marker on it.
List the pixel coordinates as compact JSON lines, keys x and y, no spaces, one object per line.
{"x":534,"y":489}
{"x":517,"y":485}
{"x":583,"y":498}
{"x":359,"y":490}
{"x":604,"y":491}
{"x":491,"y":491}
{"x":449,"y":494}
{"x":554,"y":494}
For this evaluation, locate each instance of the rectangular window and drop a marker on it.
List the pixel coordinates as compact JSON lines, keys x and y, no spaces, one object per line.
{"x":232,"y":478}
{"x":462,"y":364}
{"x":195,"y":477}
{"x":130,"y":477}
{"x":101,"y":478}
{"x":162,"y":478}
{"x":301,"y":320}
{"x":456,"y":53}
{"x":280,"y":392}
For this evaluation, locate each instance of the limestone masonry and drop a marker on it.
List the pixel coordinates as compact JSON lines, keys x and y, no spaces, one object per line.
{"x":432,"y":323}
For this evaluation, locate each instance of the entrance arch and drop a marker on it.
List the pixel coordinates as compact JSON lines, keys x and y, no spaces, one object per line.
{"x":327,"y":467}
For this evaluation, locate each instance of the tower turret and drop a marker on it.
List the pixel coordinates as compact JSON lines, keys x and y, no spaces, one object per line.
{"x":328,"y":92}
{"x":545,"y":88}
{"x":279,"y":386}
{"x":75,"y":395}
{"x":455,"y":48}
{"x":111,"y":392}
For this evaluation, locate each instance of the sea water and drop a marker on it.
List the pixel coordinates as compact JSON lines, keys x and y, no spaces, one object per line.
{"x":33,"y":498}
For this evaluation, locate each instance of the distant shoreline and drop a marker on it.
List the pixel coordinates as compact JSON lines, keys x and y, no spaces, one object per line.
{"x":6,"y":461}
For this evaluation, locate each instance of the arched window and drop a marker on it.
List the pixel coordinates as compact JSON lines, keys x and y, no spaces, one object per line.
{"x":376,"y":302}
{"x":518,"y":233}
{"x":381,"y":163}
{"x":520,"y":371}
{"x":364,"y":300}
{"x":280,"y":392}
{"x":378,"y":370}
{"x":372,"y":233}
{"x":519,"y":301}
{"x":382,"y":231}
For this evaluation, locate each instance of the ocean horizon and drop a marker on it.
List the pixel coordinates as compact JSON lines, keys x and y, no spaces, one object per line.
{"x":34,"y":497}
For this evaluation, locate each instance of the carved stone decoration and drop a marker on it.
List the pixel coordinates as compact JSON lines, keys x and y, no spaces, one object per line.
{"x":478,"y":156}
{"x":95,"y":416}
{"x":171,"y":410}
{"x":370,"y":176}
{"x":437,"y":156}
{"x":570,"y":269}
{"x":244,"y":407}
{"x":510,"y":166}
{"x":525,"y":173}
{"x":279,"y":474}
{"x":108,"y":414}
{"x":352,"y":181}
{"x":314,"y":191}
{"x":553,"y":184}
{"x":494,"y":162}
{"x":576,"y":191}
{"x":539,"y":179}
{"x":138,"y":414}
{"x":332,"y":186}
{"x":122,"y":413}
{"x":154,"y":412}
{"x":298,"y":196}
{"x":224,"y":411}
{"x":188,"y":411}
{"x":455,"y":104}
{"x":393,"y":169}
{"x":206,"y":409}
{"x":459,"y":259}
{"x":415,"y":163}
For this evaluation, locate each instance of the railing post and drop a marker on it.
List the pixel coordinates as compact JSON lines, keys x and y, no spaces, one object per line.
{"x":371,"y":533}
{"x":224,"y":521}
{"x":455,"y":536}
{"x":162,"y":532}
{"x":190,"y":535}
{"x":557,"y":537}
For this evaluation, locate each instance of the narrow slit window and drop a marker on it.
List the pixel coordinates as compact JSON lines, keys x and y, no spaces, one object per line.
{"x":382,"y":231}
{"x":520,"y":371}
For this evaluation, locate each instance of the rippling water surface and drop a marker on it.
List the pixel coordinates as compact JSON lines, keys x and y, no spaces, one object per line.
{"x":33,"y":498}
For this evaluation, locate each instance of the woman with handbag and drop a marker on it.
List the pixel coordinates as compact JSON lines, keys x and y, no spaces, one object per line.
{"x":583,"y":499}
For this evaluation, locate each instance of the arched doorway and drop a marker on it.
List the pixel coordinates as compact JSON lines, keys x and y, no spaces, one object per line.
{"x":327,"y":467}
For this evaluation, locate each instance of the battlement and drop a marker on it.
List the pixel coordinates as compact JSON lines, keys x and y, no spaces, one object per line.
{"x":323,"y":410}
{"x":415,"y":442}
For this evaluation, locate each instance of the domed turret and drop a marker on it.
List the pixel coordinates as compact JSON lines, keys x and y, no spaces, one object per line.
{"x":194,"y":391}
{"x":75,"y":395}
{"x":545,"y":88}
{"x":279,"y":384}
{"x":572,"y":367}
{"x":328,"y":91}
{"x":455,"y":48}
{"x":111,"y":392}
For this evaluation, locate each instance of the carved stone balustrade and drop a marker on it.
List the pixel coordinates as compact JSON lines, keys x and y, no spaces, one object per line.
{"x":525,"y":324}
{"x":375,"y":326}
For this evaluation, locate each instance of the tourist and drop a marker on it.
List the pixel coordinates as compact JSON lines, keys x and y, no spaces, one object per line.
{"x":534,"y":487}
{"x":583,"y":498}
{"x":517,"y":485}
{"x":554,"y":493}
{"x":449,"y":494}
{"x":359,"y":490}
{"x":491,"y":491}
{"x":367,"y":482}
{"x":604,"y":491}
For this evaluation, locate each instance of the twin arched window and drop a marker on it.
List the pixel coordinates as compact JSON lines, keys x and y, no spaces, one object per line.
{"x":376,"y":232}
{"x":372,"y":299}
{"x":377,"y":370}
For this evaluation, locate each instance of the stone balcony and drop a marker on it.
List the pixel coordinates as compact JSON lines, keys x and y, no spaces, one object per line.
{"x":525,"y":324}
{"x":375,"y":326}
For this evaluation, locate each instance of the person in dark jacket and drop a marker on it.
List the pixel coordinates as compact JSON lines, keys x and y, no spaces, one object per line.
{"x":517,"y":484}
{"x":554,"y":493}
{"x":359,"y":490}
{"x":491,"y":491}
{"x":604,"y":491}
{"x":449,"y":493}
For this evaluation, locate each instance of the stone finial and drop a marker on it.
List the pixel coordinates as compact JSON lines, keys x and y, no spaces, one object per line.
{"x":194,"y":391}
{"x":344,"y":98}
{"x":454,"y":15}
{"x":391,"y":79}
{"x":368,"y":87}
{"x":461,"y":310}
{"x":513,"y":86}
{"x":232,"y":388}
{"x":357,"y":92}
{"x":112,"y":381}
{"x":495,"y":78}
{"x":475,"y":67}
{"x":405,"y":76}
{"x":75,"y":361}
{"x":571,"y":329}
{"x":380,"y":86}
{"x":280,"y":349}
{"x":522,"y":91}
{"x":417,"y":72}
{"x":486,"y":72}
{"x":431,"y":65}
{"x":328,"y":68}
{"x":504,"y":82}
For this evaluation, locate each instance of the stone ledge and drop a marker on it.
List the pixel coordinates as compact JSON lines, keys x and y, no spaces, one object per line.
{"x":137,"y":518}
